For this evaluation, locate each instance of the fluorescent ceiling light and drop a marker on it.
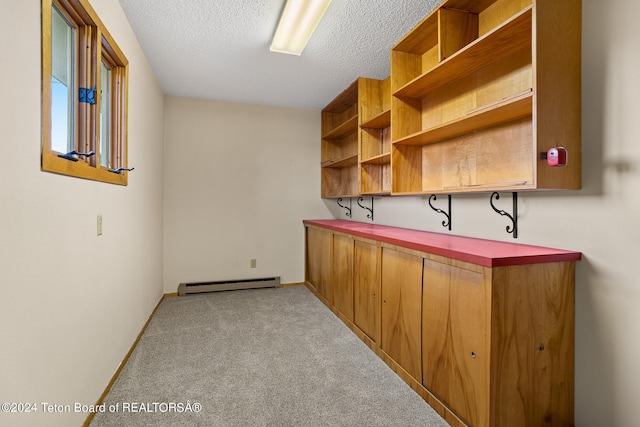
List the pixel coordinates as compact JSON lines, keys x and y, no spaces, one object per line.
{"x":297,"y":23}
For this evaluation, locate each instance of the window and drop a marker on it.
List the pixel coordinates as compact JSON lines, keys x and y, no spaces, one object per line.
{"x":84,"y":95}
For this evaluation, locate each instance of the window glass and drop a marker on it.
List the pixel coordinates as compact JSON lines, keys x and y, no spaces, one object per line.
{"x":105,"y":115}
{"x":62,"y":87}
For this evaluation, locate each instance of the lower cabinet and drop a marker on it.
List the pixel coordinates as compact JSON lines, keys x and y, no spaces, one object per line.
{"x":454,"y":338}
{"x":342,"y":283}
{"x":401,"y":309}
{"x":366,"y":289}
{"x":532,"y":350}
{"x":318,"y":261}
{"x":486,"y":346}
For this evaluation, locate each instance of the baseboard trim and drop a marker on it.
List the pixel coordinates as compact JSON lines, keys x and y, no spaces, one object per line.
{"x":124,"y":361}
{"x":284,"y":285}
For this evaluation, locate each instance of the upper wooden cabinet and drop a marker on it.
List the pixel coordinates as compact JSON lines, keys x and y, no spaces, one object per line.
{"x":339,"y":150}
{"x":479,"y":90}
{"x":356,"y":141}
{"x":374,"y":173}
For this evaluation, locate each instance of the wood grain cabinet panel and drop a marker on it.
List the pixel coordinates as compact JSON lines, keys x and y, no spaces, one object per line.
{"x":318,"y":261}
{"x":401,"y":309}
{"x":367,"y":299}
{"x":532,"y":345}
{"x":454,"y":339}
{"x":343,"y":275}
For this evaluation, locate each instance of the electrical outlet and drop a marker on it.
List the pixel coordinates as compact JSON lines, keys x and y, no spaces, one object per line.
{"x":99,"y":225}
{"x":254,"y":263}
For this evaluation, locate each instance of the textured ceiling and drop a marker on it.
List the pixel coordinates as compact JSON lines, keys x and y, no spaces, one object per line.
{"x":219,"y":49}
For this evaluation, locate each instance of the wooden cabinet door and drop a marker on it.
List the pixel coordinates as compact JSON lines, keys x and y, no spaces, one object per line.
{"x":454,"y":339}
{"x":343,"y":275}
{"x":319,"y":261}
{"x":366,"y":289}
{"x":532,"y":335}
{"x":401,"y":309}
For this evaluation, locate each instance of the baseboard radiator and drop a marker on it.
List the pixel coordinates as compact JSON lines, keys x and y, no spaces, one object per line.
{"x":227,"y":285}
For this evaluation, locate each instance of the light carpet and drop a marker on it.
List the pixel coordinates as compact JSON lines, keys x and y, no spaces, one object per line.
{"x":265,"y":357}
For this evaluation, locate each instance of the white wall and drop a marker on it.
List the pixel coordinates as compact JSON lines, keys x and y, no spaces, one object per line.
{"x":72,"y":303}
{"x":602,"y":220}
{"x":239,"y":180}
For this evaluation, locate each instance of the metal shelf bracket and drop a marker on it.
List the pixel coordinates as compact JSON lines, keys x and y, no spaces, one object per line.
{"x":447,"y":214}
{"x":348,"y":208}
{"x":369,"y":215}
{"x":513,"y":228}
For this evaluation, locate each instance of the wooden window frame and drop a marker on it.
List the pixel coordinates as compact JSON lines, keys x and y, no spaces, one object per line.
{"x":93,"y":46}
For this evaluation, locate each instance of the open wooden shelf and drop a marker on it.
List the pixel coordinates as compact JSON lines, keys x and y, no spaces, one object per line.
{"x":504,"y":111}
{"x":341,"y":163}
{"x":382,"y":159}
{"x":381,"y":121}
{"x":343,"y":129}
{"x":513,"y":35}
{"x":376,"y":193}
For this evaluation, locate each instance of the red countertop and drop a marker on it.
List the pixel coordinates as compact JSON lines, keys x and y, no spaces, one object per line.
{"x":489,"y":253}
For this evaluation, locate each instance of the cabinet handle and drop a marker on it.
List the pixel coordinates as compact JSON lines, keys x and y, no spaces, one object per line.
{"x":541,"y":347}
{"x":374,"y":295}
{"x":384,"y":301}
{"x":473,"y":354}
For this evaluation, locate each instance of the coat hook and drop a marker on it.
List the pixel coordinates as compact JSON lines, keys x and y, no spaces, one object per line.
{"x":348,"y":208}
{"x":71,"y":155}
{"x":446,"y":223}
{"x":369,"y":215}
{"x":513,"y":229}
{"x":120,"y":170}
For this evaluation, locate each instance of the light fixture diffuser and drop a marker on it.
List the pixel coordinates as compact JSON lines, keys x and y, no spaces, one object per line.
{"x":298,"y":22}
